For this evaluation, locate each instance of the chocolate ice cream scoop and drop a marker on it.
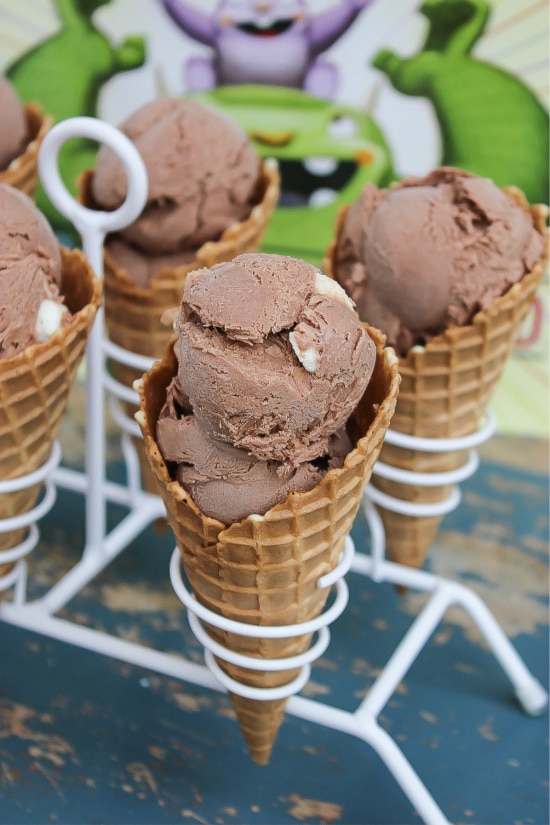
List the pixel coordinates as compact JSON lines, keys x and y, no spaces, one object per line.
{"x":13,"y":129}
{"x":228,"y":483}
{"x":431,"y":252}
{"x":30,"y":274}
{"x":204,"y":175}
{"x":272,"y":356}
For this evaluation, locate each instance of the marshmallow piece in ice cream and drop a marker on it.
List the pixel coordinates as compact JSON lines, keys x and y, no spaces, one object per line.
{"x":272,"y":356}
{"x":48,"y":319}
{"x":13,"y":129}
{"x":30,"y":274}
{"x":302,"y":343}
{"x":204,"y":175}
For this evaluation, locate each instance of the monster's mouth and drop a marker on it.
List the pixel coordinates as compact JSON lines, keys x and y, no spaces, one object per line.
{"x":313,"y":182}
{"x":272,"y":30}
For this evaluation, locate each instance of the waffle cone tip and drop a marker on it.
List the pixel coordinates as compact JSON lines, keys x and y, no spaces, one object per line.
{"x":259,"y":722}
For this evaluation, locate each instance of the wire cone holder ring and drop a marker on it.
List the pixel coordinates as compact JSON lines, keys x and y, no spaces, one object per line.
{"x":120,"y":393}
{"x":29,"y":518}
{"x":198,"y":613}
{"x":430,"y":479}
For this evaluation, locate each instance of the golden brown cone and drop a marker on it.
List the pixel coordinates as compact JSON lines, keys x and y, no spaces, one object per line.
{"x":22,"y":173}
{"x":264,"y":570}
{"x":133,"y":314}
{"x":445,"y":390}
{"x":34,"y":389}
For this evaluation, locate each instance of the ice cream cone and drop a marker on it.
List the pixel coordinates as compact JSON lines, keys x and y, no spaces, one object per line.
{"x":446,"y":387}
{"x":133,"y":314}
{"x":34,"y":388}
{"x":263,"y":570}
{"x":22,"y":173}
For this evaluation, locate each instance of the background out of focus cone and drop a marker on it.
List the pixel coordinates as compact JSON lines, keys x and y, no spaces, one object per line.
{"x":264,"y":569}
{"x":22,"y":173}
{"x":133,"y":314}
{"x":34,"y":389}
{"x":445,"y":390}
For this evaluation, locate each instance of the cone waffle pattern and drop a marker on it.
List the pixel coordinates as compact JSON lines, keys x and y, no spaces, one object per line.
{"x":22,"y":173}
{"x":264,"y":570}
{"x":133,"y":314}
{"x":445,"y":390}
{"x":34,"y":388}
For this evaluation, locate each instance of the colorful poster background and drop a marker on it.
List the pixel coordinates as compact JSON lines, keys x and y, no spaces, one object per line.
{"x":515,"y":39}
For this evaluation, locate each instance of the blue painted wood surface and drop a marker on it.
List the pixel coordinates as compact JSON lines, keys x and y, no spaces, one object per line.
{"x":87,"y":739}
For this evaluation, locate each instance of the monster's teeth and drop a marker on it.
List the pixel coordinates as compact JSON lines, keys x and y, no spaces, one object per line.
{"x":321,"y":166}
{"x":265,"y":23}
{"x":322,"y":197}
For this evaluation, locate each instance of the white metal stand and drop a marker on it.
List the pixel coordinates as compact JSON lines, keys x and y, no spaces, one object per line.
{"x":101,"y":547}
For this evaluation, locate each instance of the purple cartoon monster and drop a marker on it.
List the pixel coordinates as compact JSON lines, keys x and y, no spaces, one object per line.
{"x":269,"y":42}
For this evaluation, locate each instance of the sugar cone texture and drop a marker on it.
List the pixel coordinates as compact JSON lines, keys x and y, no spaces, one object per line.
{"x":263,"y":570}
{"x":445,"y":390}
{"x":34,"y":389}
{"x":133,"y":313}
{"x":22,"y":173}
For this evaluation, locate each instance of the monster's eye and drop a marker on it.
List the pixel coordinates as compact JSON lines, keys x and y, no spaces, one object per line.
{"x":342,"y":126}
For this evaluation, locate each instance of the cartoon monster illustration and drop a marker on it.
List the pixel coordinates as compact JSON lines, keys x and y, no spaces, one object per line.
{"x":65,"y":73}
{"x":326,"y":151}
{"x":270,"y":42}
{"x":490,"y":122}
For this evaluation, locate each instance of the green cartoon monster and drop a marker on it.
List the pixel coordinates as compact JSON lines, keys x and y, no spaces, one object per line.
{"x":326,"y":153}
{"x":65,"y":73}
{"x":490,"y":122}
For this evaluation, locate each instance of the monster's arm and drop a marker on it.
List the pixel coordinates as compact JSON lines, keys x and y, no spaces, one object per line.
{"x":68,"y":12}
{"x":131,"y":53}
{"x":192,"y":21}
{"x":325,"y":28}
{"x":411,"y":76}
{"x":455,"y":25}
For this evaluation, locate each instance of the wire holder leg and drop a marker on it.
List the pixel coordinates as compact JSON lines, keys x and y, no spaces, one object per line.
{"x":532,"y":697}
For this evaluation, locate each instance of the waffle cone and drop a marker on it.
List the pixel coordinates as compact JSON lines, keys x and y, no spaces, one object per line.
{"x":22,"y":173}
{"x":446,"y":387}
{"x":263,"y":570}
{"x":34,"y":388}
{"x":133,"y":314}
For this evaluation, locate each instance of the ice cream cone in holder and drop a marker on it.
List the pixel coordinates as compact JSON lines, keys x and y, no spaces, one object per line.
{"x":34,"y":389}
{"x":442,"y":413}
{"x":22,"y":172}
{"x":260,"y":586}
{"x":134,"y":314}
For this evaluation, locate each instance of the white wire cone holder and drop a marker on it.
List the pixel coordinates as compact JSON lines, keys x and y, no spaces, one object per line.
{"x":17,"y":576}
{"x":430,"y":479}
{"x":196,"y":613}
{"x":425,"y":479}
{"x":102,"y":546}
